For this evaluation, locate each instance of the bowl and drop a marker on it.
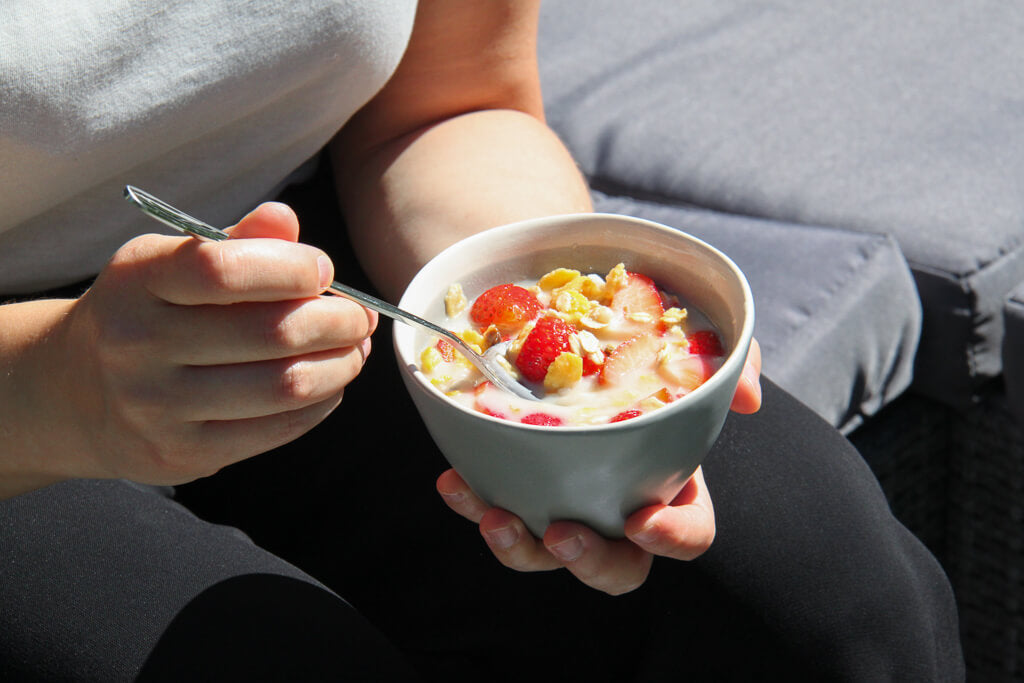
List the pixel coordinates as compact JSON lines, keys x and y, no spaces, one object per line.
{"x":600,"y":474}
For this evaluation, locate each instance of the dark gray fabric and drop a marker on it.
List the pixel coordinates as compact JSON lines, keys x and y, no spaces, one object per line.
{"x":1013,"y":350}
{"x":836,"y":313}
{"x":895,"y":118}
{"x":114,"y":581}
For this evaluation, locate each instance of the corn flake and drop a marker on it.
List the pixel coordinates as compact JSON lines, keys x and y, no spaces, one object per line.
{"x":565,"y":371}
{"x":455,"y":301}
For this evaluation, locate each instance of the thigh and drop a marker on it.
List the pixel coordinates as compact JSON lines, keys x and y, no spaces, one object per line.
{"x":807,"y":541}
{"x":105,"y":580}
{"x":809,"y":571}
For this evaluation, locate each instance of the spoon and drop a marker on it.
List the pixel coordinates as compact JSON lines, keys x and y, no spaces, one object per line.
{"x":487,"y":363}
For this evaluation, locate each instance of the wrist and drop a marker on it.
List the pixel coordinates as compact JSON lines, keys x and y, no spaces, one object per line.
{"x":33,"y":396}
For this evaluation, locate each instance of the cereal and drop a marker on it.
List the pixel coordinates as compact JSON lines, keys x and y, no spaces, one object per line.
{"x":593,"y":368}
{"x":565,"y":371}
{"x":557,"y":278}
{"x":455,"y":301}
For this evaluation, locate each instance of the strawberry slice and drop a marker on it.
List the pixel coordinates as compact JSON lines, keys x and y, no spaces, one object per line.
{"x":637,"y":305}
{"x":705,"y":342}
{"x":446,"y":349}
{"x":548,"y":338}
{"x":542,"y":419}
{"x":636,"y":353}
{"x":508,"y":307}
{"x":479,"y":403}
{"x":487,"y":411}
{"x":590,"y":366}
{"x":688,"y":372}
{"x":626,"y":415}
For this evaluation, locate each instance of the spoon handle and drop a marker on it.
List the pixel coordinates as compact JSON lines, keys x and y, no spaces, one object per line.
{"x":181,"y":221}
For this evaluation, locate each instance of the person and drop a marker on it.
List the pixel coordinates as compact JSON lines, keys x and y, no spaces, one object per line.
{"x":183,"y":360}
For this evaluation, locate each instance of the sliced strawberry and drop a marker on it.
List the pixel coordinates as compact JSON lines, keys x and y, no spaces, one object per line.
{"x":548,"y":338}
{"x":479,"y":391}
{"x":542,"y":419}
{"x":626,"y":415}
{"x":487,"y":411}
{"x":508,"y":307}
{"x":591,"y":367}
{"x":688,"y":372}
{"x":705,"y":342}
{"x":638,"y":304}
{"x":634,"y":354}
{"x":445,"y":348}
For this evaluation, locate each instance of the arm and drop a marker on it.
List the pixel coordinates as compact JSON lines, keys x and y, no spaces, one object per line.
{"x":456,"y":143}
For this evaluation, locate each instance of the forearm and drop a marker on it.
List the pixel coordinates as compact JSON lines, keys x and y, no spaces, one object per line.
{"x":415,"y":195}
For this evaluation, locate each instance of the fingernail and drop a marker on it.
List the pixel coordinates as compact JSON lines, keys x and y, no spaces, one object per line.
{"x":326,"y":269}
{"x":753,"y":378}
{"x":364,"y":349}
{"x":567,"y":550}
{"x":504,"y":537}
{"x":645,"y":536}
{"x":453,"y":498}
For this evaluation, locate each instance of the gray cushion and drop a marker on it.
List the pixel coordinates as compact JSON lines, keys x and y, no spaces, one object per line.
{"x":1013,"y":349}
{"x":901,"y":118}
{"x":835,"y":310}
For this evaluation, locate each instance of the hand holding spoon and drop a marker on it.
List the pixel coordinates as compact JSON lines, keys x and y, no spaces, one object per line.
{"x":487,"y":363}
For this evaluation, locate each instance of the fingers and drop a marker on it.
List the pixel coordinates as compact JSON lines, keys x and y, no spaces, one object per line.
{"x":684,"y":529}
{"x":270,"y":219}
{"x":505,"y":534}
{"x":614,"y":567}
{"x":203,"y":353}
{"x":246,"y":390}
{"x":459,"y":497}
{"x":513,"y":545}
{"x":213,"y":335}
{"x":747,"y":399}
{"x":235,"y":440}
{"x":235,"y":271}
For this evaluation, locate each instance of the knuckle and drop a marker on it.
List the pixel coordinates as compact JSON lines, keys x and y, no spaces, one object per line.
{"x":288,"y":331}
{"x":297,"y":385}
{"x":134,"y":250}
{"x":218,"y":268}
{"x":119,"y":336}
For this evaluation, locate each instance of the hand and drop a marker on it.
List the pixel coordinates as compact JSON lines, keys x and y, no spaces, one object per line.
{"x":187,"y":356}
{"x":682,"y":530}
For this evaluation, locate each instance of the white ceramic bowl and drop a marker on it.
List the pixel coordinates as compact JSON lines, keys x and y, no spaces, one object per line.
{"x":596,"y":474}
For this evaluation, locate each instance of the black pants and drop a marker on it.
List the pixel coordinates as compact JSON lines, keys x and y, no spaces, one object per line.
{"x":809,"y":573}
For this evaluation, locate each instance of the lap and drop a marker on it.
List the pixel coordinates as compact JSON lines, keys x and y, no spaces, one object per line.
{"x":809,"y":570}
{"x":106,"y":580}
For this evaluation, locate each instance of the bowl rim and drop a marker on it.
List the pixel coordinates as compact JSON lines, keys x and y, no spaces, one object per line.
{"x":402,"y":331}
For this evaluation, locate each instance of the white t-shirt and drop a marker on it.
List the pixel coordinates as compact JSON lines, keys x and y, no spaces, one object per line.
{"x":209,"y":104}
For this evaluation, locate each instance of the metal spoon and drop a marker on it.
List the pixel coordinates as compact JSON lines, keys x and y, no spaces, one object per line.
{"x":487,"y":363}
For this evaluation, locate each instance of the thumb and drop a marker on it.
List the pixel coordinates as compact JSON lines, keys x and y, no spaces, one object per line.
{"x":271,"y":220}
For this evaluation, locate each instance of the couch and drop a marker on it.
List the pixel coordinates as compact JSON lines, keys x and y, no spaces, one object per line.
{"x":863,"y":162}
